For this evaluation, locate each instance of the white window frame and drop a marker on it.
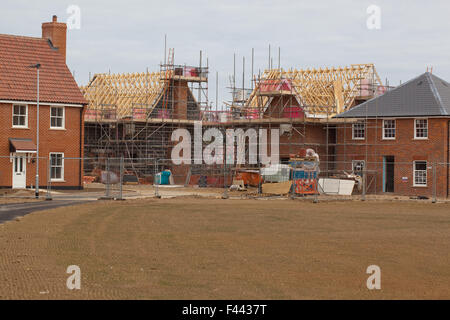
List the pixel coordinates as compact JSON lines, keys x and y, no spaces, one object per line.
{"x":62,"y":166}
{"x":415,"y":171}
{"x":26,"y":116}
{"x":415,"y":129}
{"x":63,"y":127}
{"x":353,"y":130}
{"x":394,"y":128}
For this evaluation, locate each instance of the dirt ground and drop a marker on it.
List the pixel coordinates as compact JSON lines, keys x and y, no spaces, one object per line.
{"x":18,"y":196}
{"x":189,"y":248}
{"x":16,"y":200}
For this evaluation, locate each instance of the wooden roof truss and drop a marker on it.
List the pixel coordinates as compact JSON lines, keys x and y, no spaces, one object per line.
{"x":321,"y":91}
{"x":123,"y":92}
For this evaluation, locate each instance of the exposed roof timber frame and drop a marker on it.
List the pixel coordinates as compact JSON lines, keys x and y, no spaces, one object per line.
{"x":321,"y":90}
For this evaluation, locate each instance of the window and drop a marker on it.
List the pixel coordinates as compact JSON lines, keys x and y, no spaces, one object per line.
{"x":57,"y":166}
{"x":57,"y":117}
{"x":421,"y":129}
{"x":358,"y":166}
{"x":420,"y":173}
{"x":20,"y":116}
{"x":359,"y":131}
{"x":388,"y":129}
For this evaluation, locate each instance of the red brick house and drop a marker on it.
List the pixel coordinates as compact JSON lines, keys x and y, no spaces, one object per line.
{"x":401,"y":138}
{"x":60,"y":112}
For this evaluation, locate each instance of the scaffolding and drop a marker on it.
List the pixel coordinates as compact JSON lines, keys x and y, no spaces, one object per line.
{"x":134,"y":115}
{"x":302,"y":103}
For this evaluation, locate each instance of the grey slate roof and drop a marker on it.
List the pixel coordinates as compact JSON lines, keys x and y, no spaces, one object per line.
{"x":426,"y":95}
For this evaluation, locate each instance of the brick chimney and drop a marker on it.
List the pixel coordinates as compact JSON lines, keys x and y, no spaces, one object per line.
{"x":56,"y":32}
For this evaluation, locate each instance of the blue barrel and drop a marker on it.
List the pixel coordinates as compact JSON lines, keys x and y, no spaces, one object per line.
{"x":165,"y":177}
{"x":162,"y":178}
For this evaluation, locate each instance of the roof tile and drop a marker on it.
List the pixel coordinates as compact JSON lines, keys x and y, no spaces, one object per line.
{"x":18,"y":80}
{"x":425,"y":95}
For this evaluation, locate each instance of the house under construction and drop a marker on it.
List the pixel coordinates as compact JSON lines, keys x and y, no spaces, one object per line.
{"x":303,"y":103}
{"x":134,"y":115}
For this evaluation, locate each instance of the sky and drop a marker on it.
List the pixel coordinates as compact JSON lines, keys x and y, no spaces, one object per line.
{"x":128,"y":36}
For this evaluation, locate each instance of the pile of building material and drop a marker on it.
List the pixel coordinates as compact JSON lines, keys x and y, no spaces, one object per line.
{"x":276,"y":173}
{"x":249,"y":177}
{"x":276,"y":179}
{"x":298,"y":177}
{"x":278,"y":188}
{"x":101,"y":176}
{"x":305,"y":172}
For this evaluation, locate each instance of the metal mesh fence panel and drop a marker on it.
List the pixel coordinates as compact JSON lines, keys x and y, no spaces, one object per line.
{"x":119,"y":178}
{"x":441,"y":181}
{"x":18,"y":176}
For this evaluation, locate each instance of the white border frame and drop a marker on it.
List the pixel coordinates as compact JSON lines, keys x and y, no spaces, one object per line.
{"x":26,"y":116}
{"x":353,"y":130}
{"x":415,"y":129}
{"x":62,"y":168}
{"x":43,"y":103}
{"x":383,"y":137}
{"x":64,"y":118}
{"x":13,"y":156}
{"x":426,"y":174}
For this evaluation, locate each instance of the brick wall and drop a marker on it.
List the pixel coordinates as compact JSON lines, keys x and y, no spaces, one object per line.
{"x":284,"y":106}
{"x":311,"y":136}
{"x":66,"y":141}
{"x":180,"y":96}
{"x":57,"y":33}
{"x":405,"y":149}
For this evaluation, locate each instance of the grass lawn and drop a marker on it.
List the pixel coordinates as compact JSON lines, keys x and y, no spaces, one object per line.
{"x":190,"y":248}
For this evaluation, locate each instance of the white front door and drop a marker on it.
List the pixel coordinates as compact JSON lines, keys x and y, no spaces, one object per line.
{"x":19,"y":171}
